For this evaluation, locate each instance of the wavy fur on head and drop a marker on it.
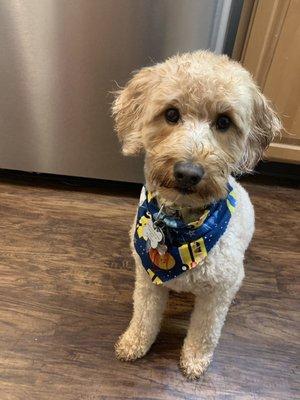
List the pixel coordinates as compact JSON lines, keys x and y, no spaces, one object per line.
{"x":202,"y":86}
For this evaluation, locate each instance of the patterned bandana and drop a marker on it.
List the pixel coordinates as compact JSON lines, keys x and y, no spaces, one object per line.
{"x":167,"y":246}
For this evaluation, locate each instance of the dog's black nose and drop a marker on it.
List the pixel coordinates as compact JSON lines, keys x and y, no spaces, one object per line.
{"x":187,"y":174}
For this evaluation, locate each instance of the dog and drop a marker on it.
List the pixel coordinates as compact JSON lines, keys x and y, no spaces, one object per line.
{"x":200,"y":120}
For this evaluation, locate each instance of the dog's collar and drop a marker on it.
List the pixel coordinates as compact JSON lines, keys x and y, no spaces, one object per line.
{"x":168,"y":246}
{"x":187,"y":214}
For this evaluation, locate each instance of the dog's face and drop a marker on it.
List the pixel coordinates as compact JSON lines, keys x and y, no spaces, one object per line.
{"x":198,"y":117}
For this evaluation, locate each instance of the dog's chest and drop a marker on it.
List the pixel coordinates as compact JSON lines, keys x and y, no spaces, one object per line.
{"x":224,"y":262}
{"x":211,"y":272}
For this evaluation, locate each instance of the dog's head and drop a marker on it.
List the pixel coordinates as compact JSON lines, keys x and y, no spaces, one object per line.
{"x":198,"y":117}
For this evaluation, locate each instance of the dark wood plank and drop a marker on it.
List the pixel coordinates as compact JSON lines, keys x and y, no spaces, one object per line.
{"x":65,"y":296}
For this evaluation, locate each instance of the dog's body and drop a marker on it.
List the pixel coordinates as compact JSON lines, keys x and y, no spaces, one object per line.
{"x":219,"y":123}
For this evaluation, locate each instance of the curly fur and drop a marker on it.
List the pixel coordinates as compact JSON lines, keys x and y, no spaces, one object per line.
{"x":202,"y":86}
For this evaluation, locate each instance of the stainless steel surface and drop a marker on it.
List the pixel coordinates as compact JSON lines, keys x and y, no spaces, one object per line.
{"x":59,"y":59}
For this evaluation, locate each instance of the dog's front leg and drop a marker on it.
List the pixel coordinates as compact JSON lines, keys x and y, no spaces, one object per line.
{"x":149,"y":302}
{"x":204,"y":331}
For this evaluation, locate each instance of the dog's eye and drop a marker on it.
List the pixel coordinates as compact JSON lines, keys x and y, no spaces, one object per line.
{"x":172,"y":115}
{"x":223,"y":123}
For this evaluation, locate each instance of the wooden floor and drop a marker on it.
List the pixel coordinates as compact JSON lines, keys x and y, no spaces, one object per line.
{"x":65,"y":296}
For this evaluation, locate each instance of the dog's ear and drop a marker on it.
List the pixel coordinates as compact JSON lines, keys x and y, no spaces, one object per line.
{"x":265,"y":126}
{"x":129,"y":109}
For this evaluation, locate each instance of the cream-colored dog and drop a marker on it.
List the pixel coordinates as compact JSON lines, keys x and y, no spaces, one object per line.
{"x":199,"y":118}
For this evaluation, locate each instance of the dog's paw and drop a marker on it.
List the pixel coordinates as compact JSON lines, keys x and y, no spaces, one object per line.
{"x":130,"y":347}
{"x":193,"y":365}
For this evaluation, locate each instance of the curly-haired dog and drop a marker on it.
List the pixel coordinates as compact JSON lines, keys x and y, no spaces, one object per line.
{"x":199,"y":118}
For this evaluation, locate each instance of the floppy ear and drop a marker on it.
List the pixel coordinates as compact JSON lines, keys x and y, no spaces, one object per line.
{"x":265,"y":126}
{"x":128,"y":110}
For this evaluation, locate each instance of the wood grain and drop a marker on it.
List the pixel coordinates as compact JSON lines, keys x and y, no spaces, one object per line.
{"x":65,"y":296}
{"x":271,"y":54}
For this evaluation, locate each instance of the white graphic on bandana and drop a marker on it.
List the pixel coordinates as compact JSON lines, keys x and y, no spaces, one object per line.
{"x":153,"y":234}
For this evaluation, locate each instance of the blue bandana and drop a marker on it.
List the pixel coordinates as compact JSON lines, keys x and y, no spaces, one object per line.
{"x":169,"y":247}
